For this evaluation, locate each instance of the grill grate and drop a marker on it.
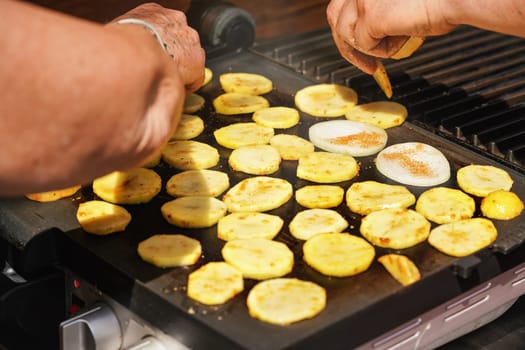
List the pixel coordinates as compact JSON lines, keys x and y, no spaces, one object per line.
{"x":468,"y":86}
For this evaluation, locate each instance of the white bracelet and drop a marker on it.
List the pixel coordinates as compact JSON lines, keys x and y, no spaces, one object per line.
{"x":146,"y":25}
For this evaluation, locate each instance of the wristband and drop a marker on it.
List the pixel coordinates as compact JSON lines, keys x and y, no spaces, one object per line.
{"x":146,"y":25}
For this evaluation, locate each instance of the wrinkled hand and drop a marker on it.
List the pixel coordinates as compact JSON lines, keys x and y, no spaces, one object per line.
{"x":182,"y":42}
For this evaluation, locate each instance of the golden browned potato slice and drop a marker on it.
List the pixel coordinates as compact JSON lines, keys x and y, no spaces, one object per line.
{"x":190,"y":126}
{"x":50,"y":196}
{"x":283,"y":301}
{"x":276,"y":117}
{"x":102,"y":218}
{"x":190,"y":155}
{"x":258,"y":194}
{"x":311,"y":222}
{"x":368,"y":196}
{"x":442,"y":205}
{"x":134,"y":186}
{"x":259,"y":258}
{"x":245,"y":83}
{"x":170,"y":250}
{"x":401,"y":268}
{"x":202,"y":182}
{"x":382,"y":79}
{"x":243,"y":134}
{"x":291,"y":147}
{"x":255,"y":160}
{"x":462,"y":238}
{"x":326,"y":167}
{"x":249,"y":225}
{"x":480,"y":180}
{"x":320,"y":196}
{"x":338,"y":254}
{"x":501,"y":205}
{"x":215,"y":283}
{"x":153,"y":161}
{"x":193,"y":103}
{"x":325,"y":100}
{"x":208,"y":76}
{"x":395,"y":228}
{"x":194,"y":211}
{"x":231,"y":103}
{"x":412,"y":44}
{"x":383,"y":114}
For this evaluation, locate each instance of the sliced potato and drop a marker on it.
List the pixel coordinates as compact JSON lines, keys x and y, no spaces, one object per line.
{"x":215,"y":283}
{"x":291,"y":147}
{"x":102,"y":218}
{"x":170,"y":250}
{"x":326,"y":167}
{"x":255,"y":159}
{"x":401,"y":268}
{"x":283,"y":301}
{"x":202,"y":182}
{"x":480,"y":180}
{"x":383,"y":114}
{"x":245,"y":83}
{"x":276,"y":117}
{"x":243,"y":134}
{"x":501,"y":205}
{"x":50,"y":196}
{"x":153,"y":161}
{"x":190,"y":155}
{"x":249,"y":225}
{"x":311,"y":222}
{"x":258,"y":194}
{"x":194,"y":211}
{"x":395,"y":228}
{"x":134,"y":186}
{"x":442,"y":205}
{"x":190,"y":126}
{"x":338,"y":254}
{"x":382,"y":79}
{"x":325,"y":100}
{"x":193,"y":103}
{"x":231,"y":103}
{"x":208,"y":76}
{"x":368,"y":196}
{"x":319,"y":196}
{"x":462,"y":238}
{"x":411,"y":45}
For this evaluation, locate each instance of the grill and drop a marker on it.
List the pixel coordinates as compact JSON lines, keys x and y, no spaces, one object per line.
{"x":463,"y":93}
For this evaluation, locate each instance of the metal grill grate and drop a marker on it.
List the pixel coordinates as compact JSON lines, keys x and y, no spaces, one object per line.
{"x":468,"y":86}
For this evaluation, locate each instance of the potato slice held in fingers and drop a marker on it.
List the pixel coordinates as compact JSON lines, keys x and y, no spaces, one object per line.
{"x":411,"y":45}
{"x":325,"y":100}
{"x":382,"y":79}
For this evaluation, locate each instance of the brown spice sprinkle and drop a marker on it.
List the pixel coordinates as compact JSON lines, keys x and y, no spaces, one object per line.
{"x":415,"y":167}
{"x":363,"y":139}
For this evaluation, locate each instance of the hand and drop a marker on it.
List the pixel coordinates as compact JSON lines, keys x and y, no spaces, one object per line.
{"x":182,"y":42}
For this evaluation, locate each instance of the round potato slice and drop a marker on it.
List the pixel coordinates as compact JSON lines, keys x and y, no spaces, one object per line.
{"x":249,"y":225}
{"x":276,"y":117}
{"x":311,"y":222}
{"x":325,"y":100}
{"x":283,"y":301}
{"x":383,"y":114}
{"x":368,"y":196}
{"x":134,"y":186}
{"x":215,"y":283}
{"x":480,"y":180}
{"x":320,"y":196}
{"x":202,"y":182}
{"x":258,"y":194}
{"x":243,"y":134}
{"x":291,"y":147}
{"x":326,"y":167}
{"x":193,"y":212}
{"x":413,"y":163}
{"x":208,"y":76}
{"x":501,"y":205}
{"x":401,"y":268}
{"x":395,"y":228}
{"x":193,"y":103}
{"x":170,"y":250}
{"x":245,"y":83}
{"x":190,"y":155}
{"x":442,"y":205}
{"x":255,"y":160}
{"x":232,"y":103}
{"x":102,"y":218}
{"x":338,"y":254}
{"x":50,"y":196}
{"x":462,"y":238}
{"x":190,"y":126}
{"x":345,"y":136}
{"x":259,"y":258}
